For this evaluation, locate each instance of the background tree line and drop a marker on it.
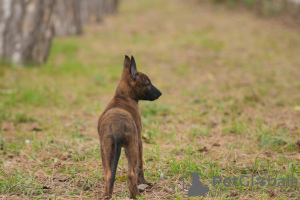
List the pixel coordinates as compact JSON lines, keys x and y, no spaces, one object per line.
{"x":28,"y":26}
{"x":290,"y":8}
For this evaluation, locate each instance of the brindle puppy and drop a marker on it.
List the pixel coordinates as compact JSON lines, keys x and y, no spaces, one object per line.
{"x":120,"y":126}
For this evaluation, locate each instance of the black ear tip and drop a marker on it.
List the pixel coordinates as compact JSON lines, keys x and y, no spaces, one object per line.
{"x":132,"y":57}
{"x":126,"y":57}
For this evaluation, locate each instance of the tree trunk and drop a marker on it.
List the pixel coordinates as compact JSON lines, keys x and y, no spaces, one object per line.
{"x":66,"y":17}
{"x":94,"y":10}
{"x":111,"y":6}
{"x":25,"y":31}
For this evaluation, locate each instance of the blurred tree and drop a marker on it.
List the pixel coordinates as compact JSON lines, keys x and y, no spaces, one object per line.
{"x":25,"y":31}
{"x":27,"y":26}
{"x":66,"y":18}
{"x":111,"y":6}
{"x":95,"y":9}
{"x":92,"y":9}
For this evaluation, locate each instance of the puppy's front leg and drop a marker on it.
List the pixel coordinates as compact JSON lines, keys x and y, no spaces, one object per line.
{"x":141,"y":177}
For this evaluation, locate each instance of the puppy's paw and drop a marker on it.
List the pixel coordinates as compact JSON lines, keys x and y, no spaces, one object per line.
{"x":143,"y":181}
{"x":106,"y":196}
{"x":134,"y":197}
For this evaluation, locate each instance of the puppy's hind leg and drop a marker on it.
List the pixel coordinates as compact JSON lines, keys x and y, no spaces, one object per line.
{"x":107,"y":154}
{"x":131,"y":151}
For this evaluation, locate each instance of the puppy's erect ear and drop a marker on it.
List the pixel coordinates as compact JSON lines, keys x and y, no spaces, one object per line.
{"x":133,"y":70}
{"x":126,"y":62}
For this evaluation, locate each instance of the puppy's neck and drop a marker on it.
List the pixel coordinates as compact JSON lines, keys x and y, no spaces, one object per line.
{"x":124,"y":92}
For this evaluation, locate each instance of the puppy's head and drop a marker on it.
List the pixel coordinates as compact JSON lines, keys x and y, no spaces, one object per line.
{"x":139,"y":83}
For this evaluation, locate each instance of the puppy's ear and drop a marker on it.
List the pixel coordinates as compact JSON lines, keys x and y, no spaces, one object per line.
{"x":133,"y":70}
{"x":126,"y":62}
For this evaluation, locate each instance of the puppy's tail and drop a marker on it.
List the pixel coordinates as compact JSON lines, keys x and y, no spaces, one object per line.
{"x":115,"y":161}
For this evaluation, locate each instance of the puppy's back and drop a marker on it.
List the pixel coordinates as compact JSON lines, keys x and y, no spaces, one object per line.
{"x":117,"y":123}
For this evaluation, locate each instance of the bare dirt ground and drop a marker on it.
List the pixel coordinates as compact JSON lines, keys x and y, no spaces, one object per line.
{"x":230,"y":105}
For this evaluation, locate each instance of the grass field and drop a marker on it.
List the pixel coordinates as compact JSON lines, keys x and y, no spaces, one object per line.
{"x":230,"y":105}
